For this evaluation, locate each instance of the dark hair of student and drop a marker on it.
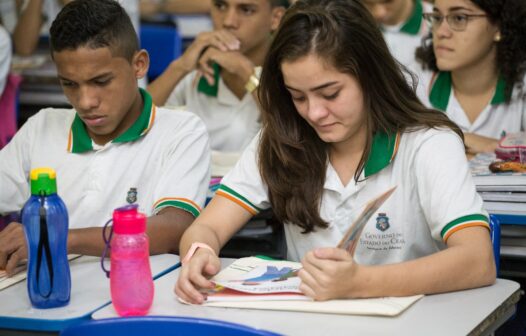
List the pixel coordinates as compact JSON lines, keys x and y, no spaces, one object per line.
{"x":510,"y":16}
{"x":278,"y":3}
{"x":292,"y":158}
{"x":94,"y":24}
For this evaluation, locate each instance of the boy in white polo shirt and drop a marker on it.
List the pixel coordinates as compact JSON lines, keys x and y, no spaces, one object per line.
{"x":475,"y":61}
{"x":338,"y":130}
{"x":114,"y":147}
{"x":216,"y":76}
{"x":402,"y":26}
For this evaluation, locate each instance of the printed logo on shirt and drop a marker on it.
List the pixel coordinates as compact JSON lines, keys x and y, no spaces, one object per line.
{"x":382,"y":222}
{"x":132,"y":196}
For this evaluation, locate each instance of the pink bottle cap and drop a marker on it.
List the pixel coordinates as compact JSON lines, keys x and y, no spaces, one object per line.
{"x":127,"y":220}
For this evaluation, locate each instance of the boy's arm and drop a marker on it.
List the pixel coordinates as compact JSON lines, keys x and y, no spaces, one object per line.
{"x":27,"y":29}
{"x":152,"y":7}
{"x":164,"y":231}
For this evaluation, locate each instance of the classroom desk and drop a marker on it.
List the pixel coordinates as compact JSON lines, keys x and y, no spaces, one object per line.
{"x":477,"y":311}
{"x":90,"y":290}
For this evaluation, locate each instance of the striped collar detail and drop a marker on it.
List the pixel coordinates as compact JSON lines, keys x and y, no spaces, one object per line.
{"x":383,"y":151}
{"x":207,"y":89}
{"x":79,"y":140}
{"x":413,"y":24}
{"x":441,"y":85}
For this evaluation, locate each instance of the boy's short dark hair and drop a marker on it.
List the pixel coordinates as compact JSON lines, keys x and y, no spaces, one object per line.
{"x":278,"y":3}
{"x":94,"y":24}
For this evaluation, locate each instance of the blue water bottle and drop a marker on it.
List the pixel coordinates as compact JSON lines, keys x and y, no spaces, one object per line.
{"x":45,"y":220}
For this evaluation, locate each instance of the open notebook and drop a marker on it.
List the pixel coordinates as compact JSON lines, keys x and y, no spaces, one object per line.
{"x":256,"y":283}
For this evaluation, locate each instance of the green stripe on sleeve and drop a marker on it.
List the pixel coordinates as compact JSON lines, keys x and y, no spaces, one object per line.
{"x":178,"y":204}
{"x":464,"y":219}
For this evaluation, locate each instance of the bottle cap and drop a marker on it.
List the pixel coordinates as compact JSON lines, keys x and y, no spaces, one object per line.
{"x":127,"y":220}
{"x":43,"y":181}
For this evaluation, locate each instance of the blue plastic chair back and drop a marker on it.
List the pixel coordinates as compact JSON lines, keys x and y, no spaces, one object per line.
{"x":495,"y":239}
{"x":160,"y":326}
{"x":163,"y":43}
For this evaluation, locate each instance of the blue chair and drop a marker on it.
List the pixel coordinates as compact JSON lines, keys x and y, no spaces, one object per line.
{"x":163,"y":43}
{"x":160,"y":326}
{"x":495,"y":239}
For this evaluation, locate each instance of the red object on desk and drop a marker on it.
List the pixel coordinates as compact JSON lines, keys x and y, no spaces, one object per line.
{"x":8,"y":114}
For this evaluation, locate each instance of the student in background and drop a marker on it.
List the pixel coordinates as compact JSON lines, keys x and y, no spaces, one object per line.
{"x":475,"y":59}
{"x":114,"y":147}
{"x":37,"y":15}
{"x":151,"y":7}
{"x":5,"y":57}
{"x":402,"y":26}
{"x":216,"y":76}
{"x":340,"y":126}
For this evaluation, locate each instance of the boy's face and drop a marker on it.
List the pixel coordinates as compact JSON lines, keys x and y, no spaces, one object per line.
{"x":102,"y":89}
{"x":251,"y":21}
{"x":389,"y":12}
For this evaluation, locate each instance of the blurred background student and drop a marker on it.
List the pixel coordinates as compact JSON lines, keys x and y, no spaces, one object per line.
{"x":5,"y":57}
{"x":402,"y":25}
{"x":217,"y":75}
{"x":151,"y":7}
{"x":475,"y":59}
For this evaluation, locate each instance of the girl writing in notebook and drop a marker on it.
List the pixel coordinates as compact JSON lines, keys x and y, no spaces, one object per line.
{"x":475,"y":58}
{"x":340,"y":126}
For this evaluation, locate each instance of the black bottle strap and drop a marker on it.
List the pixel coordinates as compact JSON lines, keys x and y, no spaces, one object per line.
{"x":107,"y":245}
{"x":44,"y":248}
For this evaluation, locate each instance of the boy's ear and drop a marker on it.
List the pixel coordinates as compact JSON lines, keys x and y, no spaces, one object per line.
{"x":141,"y":63}
{"x":277,"y":14}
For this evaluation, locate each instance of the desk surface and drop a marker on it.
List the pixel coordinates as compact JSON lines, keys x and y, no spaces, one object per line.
{"x":479,"y":311}
{"x":90,"y":290}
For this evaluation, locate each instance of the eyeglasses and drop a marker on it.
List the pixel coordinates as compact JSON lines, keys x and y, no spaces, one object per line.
{"x":457,"y":22}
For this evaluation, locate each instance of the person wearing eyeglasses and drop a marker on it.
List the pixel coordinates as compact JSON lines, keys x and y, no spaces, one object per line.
{"x":402,"y":25}
{"x":474,"y":61}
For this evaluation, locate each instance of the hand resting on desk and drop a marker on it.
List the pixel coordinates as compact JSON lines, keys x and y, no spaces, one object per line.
{"x":195,"y":274}
{"x":13,"y":247}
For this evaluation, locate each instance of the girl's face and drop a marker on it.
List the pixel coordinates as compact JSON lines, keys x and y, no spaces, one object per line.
{"x":471,"y":46}
{"x":329,"y":100}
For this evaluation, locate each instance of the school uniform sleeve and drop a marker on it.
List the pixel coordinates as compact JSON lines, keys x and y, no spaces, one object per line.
{"x":446,"y":190}
{"x":185,"y":168}
{"x":179,"y":95}
{"x":243,"y":184}
{"x":15,"y":164}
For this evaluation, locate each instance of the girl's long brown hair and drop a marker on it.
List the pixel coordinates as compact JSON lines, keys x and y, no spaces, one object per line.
{"x":292,"y":158}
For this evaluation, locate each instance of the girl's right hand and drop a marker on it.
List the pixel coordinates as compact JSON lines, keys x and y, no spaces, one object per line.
{"x":194,"y":276}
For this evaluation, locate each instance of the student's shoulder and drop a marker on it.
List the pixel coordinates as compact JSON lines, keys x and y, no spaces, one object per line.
{"x":178,"y":118}
{"x":52,"y":118}
{"x":429,"y":138}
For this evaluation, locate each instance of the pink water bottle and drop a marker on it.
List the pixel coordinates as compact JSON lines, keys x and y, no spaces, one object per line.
{"x":131,"y":281}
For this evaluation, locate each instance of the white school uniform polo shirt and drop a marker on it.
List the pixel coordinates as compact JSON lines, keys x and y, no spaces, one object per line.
{"x":405,"y":38}
{"x":435,"y":197}
{"x":231,"y":123}
{"x":497,"y":118}
{"x":162,"y":160}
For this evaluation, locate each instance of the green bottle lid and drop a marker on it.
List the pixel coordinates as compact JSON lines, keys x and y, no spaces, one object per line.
{"x":43,"y":181}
